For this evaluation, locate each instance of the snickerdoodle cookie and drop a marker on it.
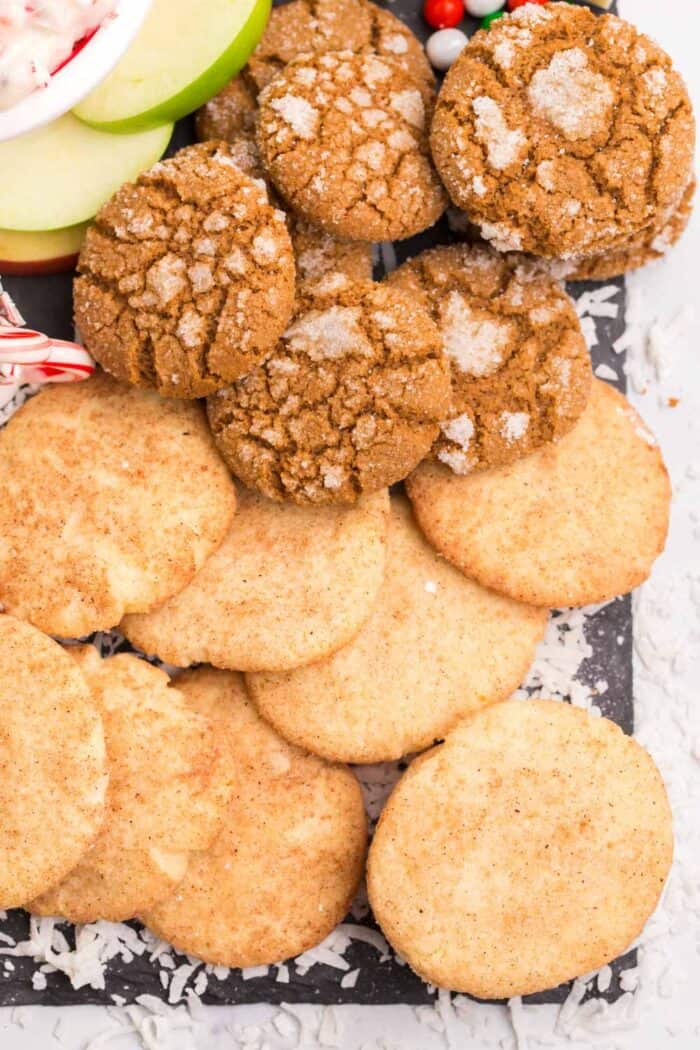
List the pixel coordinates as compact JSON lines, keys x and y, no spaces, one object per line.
{"x":53,"y":768}
{"x":186,"y":279}
{"x":287,"y":586}
{"x":575,"y":522}
{"x":344,"y":139}
{"x":521,"y":372}
{"x":528,"y":849}
{"x":436,"y":648}
{"x":349,"y":402}
{"x":285,"y":867}
{"x":562,"y":133}
{"x":111,"y":499}
{"x":170,"y":784}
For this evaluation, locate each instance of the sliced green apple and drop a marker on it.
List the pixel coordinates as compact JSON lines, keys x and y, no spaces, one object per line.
{"x":61,"y":175}
{"x":34,"y":252}
{"x":184,"y":53}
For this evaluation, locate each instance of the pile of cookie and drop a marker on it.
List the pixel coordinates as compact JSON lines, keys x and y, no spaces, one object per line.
{"x":337,"y":622}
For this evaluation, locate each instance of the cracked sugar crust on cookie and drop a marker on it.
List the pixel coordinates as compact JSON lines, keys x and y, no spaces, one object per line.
{"x":316,"y":253}
{"x":348,"y":403}
{"x":562,"y":133}
{"x":317,"y":26}
{"x":187,"y":276}
{"x":640,"y":250}
{"x":344,"y":139}
{"x":521,"y":372}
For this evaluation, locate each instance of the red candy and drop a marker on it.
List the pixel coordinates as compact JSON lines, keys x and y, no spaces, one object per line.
{"x":443,"y":14}
{"x":512,"y":4}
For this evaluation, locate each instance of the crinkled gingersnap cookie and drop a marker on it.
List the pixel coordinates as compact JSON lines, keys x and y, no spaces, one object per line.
{"x":562,"y":133}
{"x":228,"y":114}
{"x":316,"y":252}
{"x":343,"y":138}
{"x":187,"y":277}
{"x":348,"y":403}
{"x":640,"y":250}
{"x":521,"y":371}
{"x":316,"y":26}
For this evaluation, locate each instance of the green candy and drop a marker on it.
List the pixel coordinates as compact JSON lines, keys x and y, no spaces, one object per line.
{"x":488,"y":19}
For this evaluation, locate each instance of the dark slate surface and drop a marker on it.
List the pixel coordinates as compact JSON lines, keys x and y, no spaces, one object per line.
{"x":46,"y":303}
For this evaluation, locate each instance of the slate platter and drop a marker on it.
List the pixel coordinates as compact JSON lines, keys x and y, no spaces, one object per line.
{"x":46,"y":304}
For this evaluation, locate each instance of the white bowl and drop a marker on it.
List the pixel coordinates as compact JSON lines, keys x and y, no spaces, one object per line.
{"x":81,"y":74}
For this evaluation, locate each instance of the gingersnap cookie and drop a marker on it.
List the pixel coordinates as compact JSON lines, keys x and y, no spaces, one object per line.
{"x":317,"y":254}
{"x":170,"y":785}
{"x":530,"y":848}
{"x":285,"y":867}
{"x":521,"y":371}
{"x":111,"y":499}
{"x":52,"y":758}
{"x":574,"y":523}
{"x":228,"y":114}
{"x":562,"y":133}
{"x":287,"y":586}
{"x":640,"y":251}
{"x":436,"y":648}
{"x":347,"y":404}
{"x":344,"y":139}
{"x":186,"y":277}
{"x":318,"y":26}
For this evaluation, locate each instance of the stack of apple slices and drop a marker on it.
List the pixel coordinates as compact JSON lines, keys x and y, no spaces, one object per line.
{"x":55,"y":179}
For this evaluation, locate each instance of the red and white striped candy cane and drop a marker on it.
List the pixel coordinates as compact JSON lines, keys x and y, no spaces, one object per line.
{"x":66,"y":363}
{"x":19,"y":346}
{"x":28,"y":356}
{"x":9,"y":314}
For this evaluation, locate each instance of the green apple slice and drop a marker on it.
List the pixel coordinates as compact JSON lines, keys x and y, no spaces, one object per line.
{"x":184,"y":53}
{"x":34,"y":252}
{"x":61,"y":175}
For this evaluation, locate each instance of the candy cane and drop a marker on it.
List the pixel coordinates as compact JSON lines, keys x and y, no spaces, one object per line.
{"x":9,"y":313}
{"x":66,"y":363}
{"x":28,"y":356}
{"x":23,"y":345}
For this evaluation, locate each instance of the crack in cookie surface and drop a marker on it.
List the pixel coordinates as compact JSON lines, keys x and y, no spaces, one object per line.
{"x":187,"y":277}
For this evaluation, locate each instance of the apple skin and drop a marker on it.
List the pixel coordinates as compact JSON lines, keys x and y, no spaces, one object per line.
{"x":60,"y":175}
{"x":32,"y":253}
{"x":195,"y":94}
